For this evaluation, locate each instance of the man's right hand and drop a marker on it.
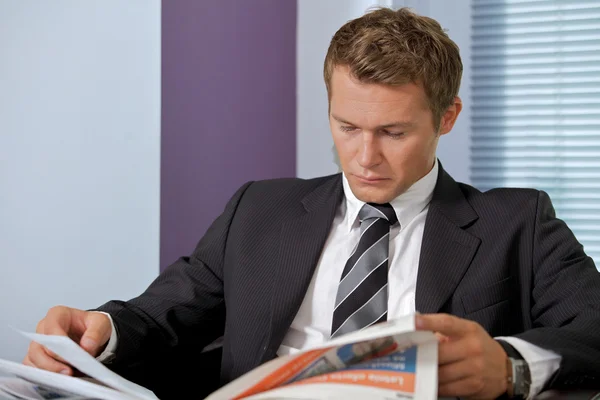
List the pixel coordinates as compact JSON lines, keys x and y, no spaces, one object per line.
{"x":91,"y":330}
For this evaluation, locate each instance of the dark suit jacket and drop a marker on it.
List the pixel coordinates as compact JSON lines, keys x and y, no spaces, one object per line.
{"x":499,"y":258}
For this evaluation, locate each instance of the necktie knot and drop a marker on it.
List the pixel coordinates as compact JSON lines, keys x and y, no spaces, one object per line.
{"x":372,"y":210}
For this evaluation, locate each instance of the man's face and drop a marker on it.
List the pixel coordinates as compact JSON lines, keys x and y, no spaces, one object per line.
{"x":384,"y":135}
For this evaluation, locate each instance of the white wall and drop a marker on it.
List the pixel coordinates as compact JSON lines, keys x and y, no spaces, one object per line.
{"x":317,"y":22}
{"x":79,"y":156}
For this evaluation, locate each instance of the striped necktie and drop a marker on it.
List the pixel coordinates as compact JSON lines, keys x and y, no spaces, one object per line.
{"x":363,"y":293}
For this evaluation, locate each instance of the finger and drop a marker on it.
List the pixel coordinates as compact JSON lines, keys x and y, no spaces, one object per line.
{"x":461,"y":388}
{"x":38,"y":358}
{"x":40,"y":327}
{"x":52,"y":354}
{"x":97,"y":333}
{"x":445,"y":324}
{"x":27,"y":362}
{"x":57,"y":322}
{"x":454,"y":351}
{"x":459,"y":370}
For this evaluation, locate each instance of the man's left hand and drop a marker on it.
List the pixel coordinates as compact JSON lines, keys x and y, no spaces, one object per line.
{"x":471,"y":363}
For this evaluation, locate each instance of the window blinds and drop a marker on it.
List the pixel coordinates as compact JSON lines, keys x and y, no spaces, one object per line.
{"x":536,"y":104}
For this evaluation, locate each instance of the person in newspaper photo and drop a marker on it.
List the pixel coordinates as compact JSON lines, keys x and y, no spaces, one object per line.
{"x":292,"y":263}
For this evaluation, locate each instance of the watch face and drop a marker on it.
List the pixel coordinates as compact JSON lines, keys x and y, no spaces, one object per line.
{"x":522,"y":377}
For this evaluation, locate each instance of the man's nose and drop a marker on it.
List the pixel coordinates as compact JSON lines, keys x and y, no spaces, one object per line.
{"x":369,"y":154}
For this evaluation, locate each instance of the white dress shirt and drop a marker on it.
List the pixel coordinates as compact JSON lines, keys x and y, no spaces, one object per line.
{"x":312,"y":324}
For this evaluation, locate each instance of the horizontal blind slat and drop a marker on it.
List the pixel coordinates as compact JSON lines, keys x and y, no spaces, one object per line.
{"x":535,"y":105}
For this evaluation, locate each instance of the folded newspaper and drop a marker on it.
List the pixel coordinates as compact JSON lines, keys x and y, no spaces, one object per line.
{"x":385,"y":361}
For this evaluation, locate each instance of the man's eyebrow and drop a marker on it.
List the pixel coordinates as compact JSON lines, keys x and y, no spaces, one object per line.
{"x":396,"y":124}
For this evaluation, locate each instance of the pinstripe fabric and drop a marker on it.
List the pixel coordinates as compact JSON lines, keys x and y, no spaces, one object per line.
{"x":499,"y":258}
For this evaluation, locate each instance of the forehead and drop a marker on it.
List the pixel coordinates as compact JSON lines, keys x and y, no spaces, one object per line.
{"x":348,"y":95}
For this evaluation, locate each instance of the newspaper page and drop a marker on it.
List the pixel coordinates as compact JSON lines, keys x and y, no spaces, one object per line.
{"x":60,"y":383}
{"x":21,"y":389}
{"x":386,"y":361}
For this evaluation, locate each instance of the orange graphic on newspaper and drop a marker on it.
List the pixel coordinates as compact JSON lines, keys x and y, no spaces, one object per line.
{"x":284,"y":373}
{"x":378,"y":363}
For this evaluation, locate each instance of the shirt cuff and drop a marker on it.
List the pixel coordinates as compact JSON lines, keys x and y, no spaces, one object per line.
{"x":109,"y":351}
{"x":542,"y":363}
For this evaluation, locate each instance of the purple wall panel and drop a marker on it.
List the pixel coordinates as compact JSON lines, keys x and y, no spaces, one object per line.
{"x":228,"y":108}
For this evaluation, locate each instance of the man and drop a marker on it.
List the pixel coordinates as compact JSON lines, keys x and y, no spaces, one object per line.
{"x":291,"y":263}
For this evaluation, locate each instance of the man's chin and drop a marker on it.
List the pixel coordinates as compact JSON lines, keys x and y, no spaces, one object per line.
{"x":377,"y":196}
{"x":379,"y":191}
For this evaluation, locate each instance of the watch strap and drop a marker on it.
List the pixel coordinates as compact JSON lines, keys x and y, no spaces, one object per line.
{"x":510,"y":350}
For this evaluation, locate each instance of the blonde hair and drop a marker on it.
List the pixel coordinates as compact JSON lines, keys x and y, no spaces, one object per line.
{"x":395,"y":48}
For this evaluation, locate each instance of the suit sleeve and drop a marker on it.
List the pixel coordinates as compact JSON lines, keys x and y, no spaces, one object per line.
{"x":183,"y":306}
{"x":565,"y":301}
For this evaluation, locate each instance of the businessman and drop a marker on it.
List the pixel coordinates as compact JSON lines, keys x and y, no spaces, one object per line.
{"x":291,"y":263}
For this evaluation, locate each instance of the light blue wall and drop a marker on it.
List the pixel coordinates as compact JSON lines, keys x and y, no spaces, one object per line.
{"x":79,"y":156}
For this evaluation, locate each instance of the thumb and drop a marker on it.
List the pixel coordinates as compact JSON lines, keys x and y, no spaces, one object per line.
{"x":97,"y":332}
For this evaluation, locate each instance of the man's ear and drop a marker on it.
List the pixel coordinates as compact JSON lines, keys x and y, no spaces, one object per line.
{"x":450,"y":116}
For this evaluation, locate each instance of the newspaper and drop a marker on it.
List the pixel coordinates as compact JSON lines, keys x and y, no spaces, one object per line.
{"x":390,"y":360}
{"x":386,"y":361}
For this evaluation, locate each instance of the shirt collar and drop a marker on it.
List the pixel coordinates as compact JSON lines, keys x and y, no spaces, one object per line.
{"x":406,"y":206}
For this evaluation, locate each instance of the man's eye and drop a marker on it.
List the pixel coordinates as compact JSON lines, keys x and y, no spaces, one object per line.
{"x":395,"y":135}
{"x":347,"y":128}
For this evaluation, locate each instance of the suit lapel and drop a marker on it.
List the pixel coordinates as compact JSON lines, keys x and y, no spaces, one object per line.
{"x":301,"y":242}
{"x":447,"y":249}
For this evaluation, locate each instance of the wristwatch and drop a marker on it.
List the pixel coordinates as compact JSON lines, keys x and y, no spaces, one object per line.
{"x":520,"y":382}
{"x":519,"y":376}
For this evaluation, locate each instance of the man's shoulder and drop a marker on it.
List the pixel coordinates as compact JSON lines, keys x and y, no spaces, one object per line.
{"x":289,"y":183}
{"x":282,"y":189}
{"x":498,"y":199}
{"x":498,"y":193}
